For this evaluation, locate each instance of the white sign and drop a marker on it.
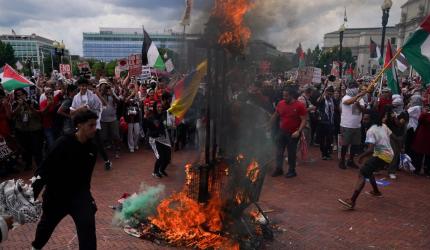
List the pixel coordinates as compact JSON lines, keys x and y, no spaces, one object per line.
{"x":146,"y":72}
{"x":123,"y":64}
{"x":317,"y":75}
{"x":309,"y":75}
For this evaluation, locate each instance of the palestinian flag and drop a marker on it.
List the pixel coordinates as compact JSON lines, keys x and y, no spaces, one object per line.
{"x":150,"y":54}
{"x":11,"y":80}
{"x":417,"y":51}
{"x":390,"y":73}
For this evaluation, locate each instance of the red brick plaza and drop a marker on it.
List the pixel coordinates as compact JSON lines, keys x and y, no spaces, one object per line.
{"x":304,"y":208}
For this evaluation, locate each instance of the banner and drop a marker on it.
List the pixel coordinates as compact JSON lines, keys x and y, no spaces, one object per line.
{"x":66,"y":70}
{"x":135,"y":65}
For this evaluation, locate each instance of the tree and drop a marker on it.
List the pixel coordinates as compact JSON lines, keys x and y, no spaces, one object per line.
{"x":110,"y":68}
{"x":7,"y":54}
{"x":328,"y":56}
{"x":280,"y":64}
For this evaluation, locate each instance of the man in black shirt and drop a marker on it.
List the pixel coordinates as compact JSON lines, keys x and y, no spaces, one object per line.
{"x":66,"y":175}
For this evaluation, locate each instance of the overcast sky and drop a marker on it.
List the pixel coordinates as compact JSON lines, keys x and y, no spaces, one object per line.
{"x":284,"y":23}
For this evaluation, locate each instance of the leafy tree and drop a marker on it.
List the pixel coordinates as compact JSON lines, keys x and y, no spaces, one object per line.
{"x":110,"y":68}
{"x":7,"y":54}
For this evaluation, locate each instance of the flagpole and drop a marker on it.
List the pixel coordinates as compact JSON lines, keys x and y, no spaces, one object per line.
{"x":374,"y":83}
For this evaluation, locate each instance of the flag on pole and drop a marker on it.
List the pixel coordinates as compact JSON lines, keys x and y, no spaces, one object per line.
{"x":335,"y":69}
{"x":150,"y":54}
{"x":301,"y":55}
{"x":390,"y":73}
{"x":402,"y":63}
{"x":185,"y":91}
{"x":186,"y":18}
{"x":417,"y":51}
{"x":11,"y":80}
{"x":345,"y":18}
{"x":375,"y":51}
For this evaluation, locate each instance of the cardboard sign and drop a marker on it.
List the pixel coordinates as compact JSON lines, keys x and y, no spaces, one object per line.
{"x":66,"y":70}
{"x":308,"y":75}
{"x":146,"y":72}
{"x":135,"y":65}
{"x":123,"y":64}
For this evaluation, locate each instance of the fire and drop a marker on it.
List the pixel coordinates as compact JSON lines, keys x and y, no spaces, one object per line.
{"x":185,"y":222}
{"x":231,"y":14}
{"x":253,"y":171}
{"x":188,"y":176}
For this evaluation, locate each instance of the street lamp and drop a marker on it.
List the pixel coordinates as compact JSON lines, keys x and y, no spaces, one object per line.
{"x":386,"y":6}
{"x":59,"y":51}
{"x":341,"y":32}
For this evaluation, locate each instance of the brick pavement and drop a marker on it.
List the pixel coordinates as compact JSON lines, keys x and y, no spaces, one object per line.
{"x":305,"y":207}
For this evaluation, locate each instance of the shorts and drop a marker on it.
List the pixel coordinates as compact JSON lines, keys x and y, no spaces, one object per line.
{"x":110,"y":131}
{"x":372,"y":165}
{"x":350,"y":136}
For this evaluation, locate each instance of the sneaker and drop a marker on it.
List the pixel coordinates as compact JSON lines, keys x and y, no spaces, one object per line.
{"x":351,"y":164}
{"x":324,"y":158}
{"x":131,"y":150}
{"x":277,"y":173}
{"x":156,"y":175}
{"x":108,"y":165}
{"x":392,"y":176}
{"x":342,"y":165}
{"x":291,"y":175}
{"x":347,"y":203}
{"x":162,"y":172}
{"x":375,"y":194}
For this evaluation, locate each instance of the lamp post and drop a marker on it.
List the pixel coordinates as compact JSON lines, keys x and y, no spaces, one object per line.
{"x":59,"y":51}
{"x":386,"y":6}
{"x":341,"y":32}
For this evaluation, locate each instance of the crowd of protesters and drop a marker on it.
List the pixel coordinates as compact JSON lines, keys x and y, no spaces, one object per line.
{"x":131,"y":114}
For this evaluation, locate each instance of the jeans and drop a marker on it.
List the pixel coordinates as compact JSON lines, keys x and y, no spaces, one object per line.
{"x":285,"y":140}
{"x":133,"y":135}
{"x":32,"y":145}
{"x":164,"y":160}
{"x":325,"y":132}
{"x":50,"y":137}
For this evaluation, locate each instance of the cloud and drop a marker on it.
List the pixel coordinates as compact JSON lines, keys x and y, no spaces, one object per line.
{"x":285,"y":23}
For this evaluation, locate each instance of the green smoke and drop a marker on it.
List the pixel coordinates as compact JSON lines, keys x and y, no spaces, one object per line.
{"x":140,"y":206}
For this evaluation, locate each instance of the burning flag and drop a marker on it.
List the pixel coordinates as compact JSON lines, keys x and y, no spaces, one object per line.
{"x":185,"y":91}
{"x":150,"y":54}
{"x":11,"y":80}
{"x":230,"y":14}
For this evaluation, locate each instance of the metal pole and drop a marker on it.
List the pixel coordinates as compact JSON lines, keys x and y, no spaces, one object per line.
{"x":340,"y":54}
{"x":385,"y":16}
{"x":208,"y":106}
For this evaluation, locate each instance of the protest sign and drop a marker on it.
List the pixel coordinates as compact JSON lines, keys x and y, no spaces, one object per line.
{"x":308,"y":75}
{"x":123,"y":64}
{"x":146,"y":72}
{"x":135,"y":65}
{"x":66,"y":70}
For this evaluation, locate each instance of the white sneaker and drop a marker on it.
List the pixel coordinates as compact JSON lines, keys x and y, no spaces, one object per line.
{"x":392,"y":176}
{"x":131,"y":150}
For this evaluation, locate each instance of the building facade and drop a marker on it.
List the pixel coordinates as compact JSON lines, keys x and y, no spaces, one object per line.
{"x":358,"y":40}
{"x":31,"y":47}
{"x":116,"y":43}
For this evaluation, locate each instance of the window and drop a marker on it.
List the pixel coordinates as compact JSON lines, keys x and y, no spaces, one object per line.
{"x":393,"y":40}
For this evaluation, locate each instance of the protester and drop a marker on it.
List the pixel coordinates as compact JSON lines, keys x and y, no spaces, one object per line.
{"x":421,"y":145}
{"x":67,"y":177}
{"x":378,"y":140}
{"x":325,"y":111}
{"x":352,"y":106}
{"x":64,"y":110}
{"x":292,"y":120}
{"x":87,"y":100}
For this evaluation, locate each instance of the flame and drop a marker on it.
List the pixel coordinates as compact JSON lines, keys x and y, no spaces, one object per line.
{"x":185,"y":222}
{"x":188,"y":175}
{"x":253,"y":171}
{"x":231,"y":14}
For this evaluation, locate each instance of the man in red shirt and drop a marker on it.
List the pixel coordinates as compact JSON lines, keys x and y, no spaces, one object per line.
{"x":292,"y":117}
{"x":48,"y":108}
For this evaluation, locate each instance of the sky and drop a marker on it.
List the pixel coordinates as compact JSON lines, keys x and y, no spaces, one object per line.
{"x":284,"y":23}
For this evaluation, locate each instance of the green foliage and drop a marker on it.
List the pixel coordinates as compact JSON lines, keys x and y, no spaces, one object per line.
{"x":7,"y":54}
{"x":110,"y":68}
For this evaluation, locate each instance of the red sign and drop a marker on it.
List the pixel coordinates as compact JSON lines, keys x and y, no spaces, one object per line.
{"x":66,"y":70}
{"x":135,"y":65}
